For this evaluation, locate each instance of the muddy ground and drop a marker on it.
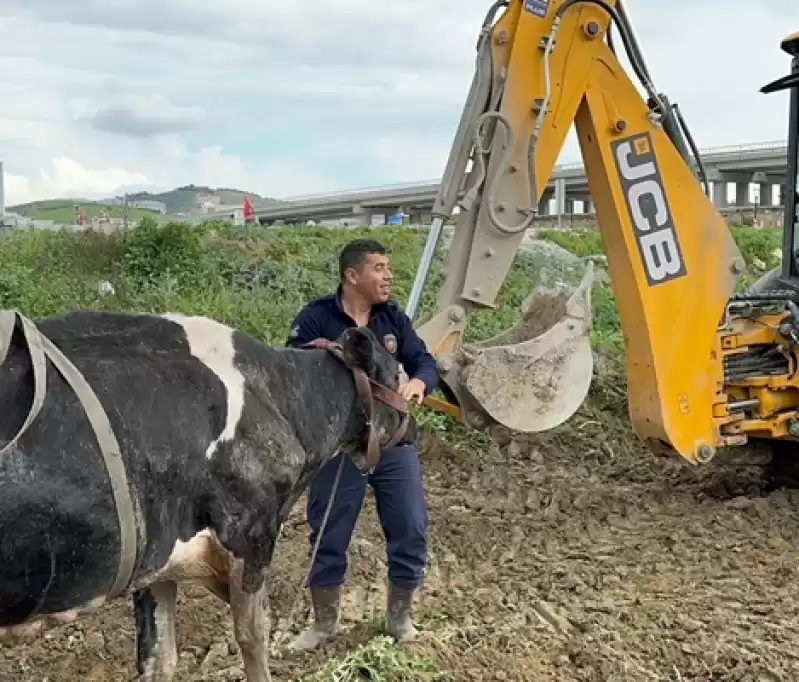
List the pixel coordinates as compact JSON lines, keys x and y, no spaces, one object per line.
{"x":578,"y":556}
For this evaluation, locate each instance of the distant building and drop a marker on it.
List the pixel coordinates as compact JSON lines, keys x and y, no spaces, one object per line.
{"x":158,"y":206}
{"x":146,"y":204}
{"x":228,"y":212}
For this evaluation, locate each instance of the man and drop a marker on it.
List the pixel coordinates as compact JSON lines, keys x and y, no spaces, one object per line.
{"x":363,"y":298}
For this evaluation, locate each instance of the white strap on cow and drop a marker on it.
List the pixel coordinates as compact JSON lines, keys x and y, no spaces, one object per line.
{"x":39,"y":346}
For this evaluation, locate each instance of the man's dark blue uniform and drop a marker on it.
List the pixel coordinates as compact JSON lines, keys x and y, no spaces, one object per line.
{"x":396,"y":480}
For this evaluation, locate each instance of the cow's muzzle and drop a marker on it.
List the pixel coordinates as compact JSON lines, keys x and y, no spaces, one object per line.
{"x":368,"y":391}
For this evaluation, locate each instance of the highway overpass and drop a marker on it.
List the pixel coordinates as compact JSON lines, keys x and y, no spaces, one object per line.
{"x":763,"y":164}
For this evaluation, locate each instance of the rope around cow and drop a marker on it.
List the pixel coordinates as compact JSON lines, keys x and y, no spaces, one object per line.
{"x":40,"y":349}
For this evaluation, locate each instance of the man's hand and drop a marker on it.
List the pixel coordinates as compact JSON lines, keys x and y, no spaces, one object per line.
{"x":413,"y":391}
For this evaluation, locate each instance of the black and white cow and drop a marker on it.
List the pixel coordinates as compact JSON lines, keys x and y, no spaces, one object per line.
{"x":219,"y":436}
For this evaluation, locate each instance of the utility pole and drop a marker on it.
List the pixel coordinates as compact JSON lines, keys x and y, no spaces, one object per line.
{"x":125,"y":211}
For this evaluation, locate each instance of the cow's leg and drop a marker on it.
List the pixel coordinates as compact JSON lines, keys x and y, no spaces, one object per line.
{"x":250,"y":622}
{"x":154,"y":612}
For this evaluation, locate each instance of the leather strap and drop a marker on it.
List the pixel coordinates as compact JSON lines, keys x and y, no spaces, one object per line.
{"x":40,"y":346}
{"x":367,"y":391}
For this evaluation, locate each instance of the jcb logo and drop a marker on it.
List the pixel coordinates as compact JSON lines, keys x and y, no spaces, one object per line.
{"x":649,"y":211}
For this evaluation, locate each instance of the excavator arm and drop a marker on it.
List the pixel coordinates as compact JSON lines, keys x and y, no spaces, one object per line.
{"x":703,"y":368}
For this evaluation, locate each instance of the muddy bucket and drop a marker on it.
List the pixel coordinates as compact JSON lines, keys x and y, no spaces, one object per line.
{"x":536,"y":375}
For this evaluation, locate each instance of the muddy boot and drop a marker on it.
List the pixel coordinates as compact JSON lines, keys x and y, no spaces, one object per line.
{"x":326,"y":619}
{"x":399,"y":612}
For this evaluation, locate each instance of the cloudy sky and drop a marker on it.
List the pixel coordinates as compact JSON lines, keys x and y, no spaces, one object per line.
{"x":285,"y":97}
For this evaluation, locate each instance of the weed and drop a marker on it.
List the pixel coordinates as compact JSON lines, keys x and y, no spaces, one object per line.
{"x":378,"y":661}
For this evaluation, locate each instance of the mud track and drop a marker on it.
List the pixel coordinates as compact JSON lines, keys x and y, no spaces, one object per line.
{"x":574,"y":557}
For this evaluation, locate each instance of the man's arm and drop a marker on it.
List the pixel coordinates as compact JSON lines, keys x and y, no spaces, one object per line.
{"x":414,"y":356}
{"x":305,"y":328}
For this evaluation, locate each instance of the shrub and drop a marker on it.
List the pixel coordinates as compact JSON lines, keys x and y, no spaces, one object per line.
{"x":152,"y":252}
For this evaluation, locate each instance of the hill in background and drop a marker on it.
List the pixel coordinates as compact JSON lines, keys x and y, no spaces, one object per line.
{"x":181,"y":200}
{"x":189,"y":198}
{"x":62,"y":210}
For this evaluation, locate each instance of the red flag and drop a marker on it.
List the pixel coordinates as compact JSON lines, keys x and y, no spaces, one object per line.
{"x":247,"y":208}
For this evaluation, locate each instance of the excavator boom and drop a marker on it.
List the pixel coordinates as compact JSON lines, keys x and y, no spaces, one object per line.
{"x":541,"y":67}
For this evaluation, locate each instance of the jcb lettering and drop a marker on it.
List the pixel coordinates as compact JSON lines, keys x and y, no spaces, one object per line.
{"x":639,"y":192}
{"x":661,"y":258}
{"x":648,"y":209}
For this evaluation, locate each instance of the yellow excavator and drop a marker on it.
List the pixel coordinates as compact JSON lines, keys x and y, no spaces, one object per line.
{"x":707,"y":367}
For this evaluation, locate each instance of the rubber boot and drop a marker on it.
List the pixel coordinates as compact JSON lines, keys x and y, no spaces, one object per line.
{"x":326,"y":619}
{"x":399,"y":612}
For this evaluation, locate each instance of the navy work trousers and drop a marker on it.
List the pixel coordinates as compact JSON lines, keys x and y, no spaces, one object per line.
{"x":401,"y":508}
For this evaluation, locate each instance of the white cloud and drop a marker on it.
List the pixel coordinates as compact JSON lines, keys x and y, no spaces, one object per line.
{"x":281,"y":98}
{"x":67,"y":178}
{"x":405,"y":158}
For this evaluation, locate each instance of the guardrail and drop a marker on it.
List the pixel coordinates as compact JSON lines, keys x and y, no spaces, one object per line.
{"x":359,"y":190}
{"x":740,"y":149}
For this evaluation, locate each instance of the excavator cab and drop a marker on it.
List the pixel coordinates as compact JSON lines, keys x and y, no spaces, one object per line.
{"x":707,"y":367}
{"x":790,"y":253}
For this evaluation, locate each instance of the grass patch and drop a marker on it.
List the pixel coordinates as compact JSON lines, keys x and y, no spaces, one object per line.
{"x":580,"y":243}
{"x":62,"y":212}
{"x":378,"y":661}
{"x":258,"y":278}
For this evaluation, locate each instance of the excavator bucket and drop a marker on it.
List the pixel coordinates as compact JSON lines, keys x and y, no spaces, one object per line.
{"x":534,"y":376}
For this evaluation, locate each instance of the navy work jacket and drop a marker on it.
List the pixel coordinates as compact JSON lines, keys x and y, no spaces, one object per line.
{"x":324,"y":317}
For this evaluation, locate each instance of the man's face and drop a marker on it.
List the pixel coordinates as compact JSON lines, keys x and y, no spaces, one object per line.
{"x":373,"y":279}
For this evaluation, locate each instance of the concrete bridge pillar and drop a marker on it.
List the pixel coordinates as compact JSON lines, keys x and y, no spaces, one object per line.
{"x":721,"y":179}
{"x":363,"y":216}
{"x":778,"y":185}
{"x":742,"y":180}
{"x":763,"y":183}
{"x":543,"y":206}
{"x":560,"y":196}
{"x":585,"y":199}
{"x":718,"y":183}
{"x":720,"y":194}
{"x":766,"y":194}
{"x":741,"y":193}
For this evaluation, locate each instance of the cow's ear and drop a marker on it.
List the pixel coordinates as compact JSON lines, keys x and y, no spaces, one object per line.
{"x":358,"y":347}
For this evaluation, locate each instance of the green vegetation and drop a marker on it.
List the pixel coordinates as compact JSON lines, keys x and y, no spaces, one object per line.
{"x":178,"y":200}
{"x":257,"y":279}
{"x":254,"y":278}
{"x":760,"y":247}
{"x":378,"y":661}
{"x":62,"y":211}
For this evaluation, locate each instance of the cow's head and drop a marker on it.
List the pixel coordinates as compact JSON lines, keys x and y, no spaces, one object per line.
{"x":381,"y":416}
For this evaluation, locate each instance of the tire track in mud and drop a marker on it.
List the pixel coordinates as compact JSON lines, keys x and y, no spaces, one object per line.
{"x":558,"y":559}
